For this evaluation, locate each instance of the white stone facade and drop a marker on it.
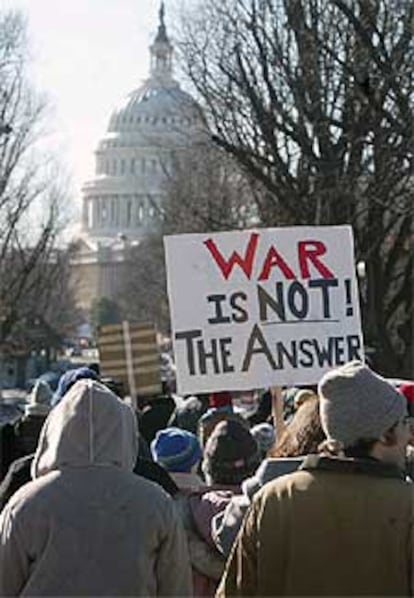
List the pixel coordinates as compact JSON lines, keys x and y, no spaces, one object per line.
{"x":133,"y":159}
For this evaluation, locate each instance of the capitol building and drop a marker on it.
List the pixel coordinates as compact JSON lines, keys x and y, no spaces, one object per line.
{"x":133,"y":161}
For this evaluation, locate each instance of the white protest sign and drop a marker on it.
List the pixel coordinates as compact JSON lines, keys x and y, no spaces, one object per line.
{"x":264,"y":307}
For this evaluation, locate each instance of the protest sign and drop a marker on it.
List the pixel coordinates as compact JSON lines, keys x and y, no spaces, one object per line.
{"x":258,"y":308}
{"x":128,"y":352}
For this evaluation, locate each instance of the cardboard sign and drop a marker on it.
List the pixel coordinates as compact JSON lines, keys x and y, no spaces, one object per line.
{"x":258,"y":308}
{"x":128,"y":352}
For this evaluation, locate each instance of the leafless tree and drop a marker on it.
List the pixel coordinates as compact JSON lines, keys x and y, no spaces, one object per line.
{"x":314,"y":100}
{"x":31,"y":197}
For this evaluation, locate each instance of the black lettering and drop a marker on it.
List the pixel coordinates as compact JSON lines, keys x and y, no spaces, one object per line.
{"x":339,"y":349}
{"x":296,"y":289}
{"x":324,"y":284}
{"x":189,"y":336}
{"x":225,"y":354}
{"x":354,"y":347}
{"x":203,"y":356}
{"x":266,"y":300}
{"x":242,"y":315}
{"x":283,"y":354}
{"x":257,"y":335}
{"x":219,"y":317}
{"x":324,"y":354}
{"x":305,"y":346}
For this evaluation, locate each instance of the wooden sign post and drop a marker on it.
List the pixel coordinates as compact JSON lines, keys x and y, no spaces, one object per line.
{"x":277,"y":411}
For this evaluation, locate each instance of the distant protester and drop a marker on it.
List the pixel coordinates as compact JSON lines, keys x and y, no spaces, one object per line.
{"x":230,"y":455}
{"x":265,"y":436}
{"x":302,"y":436}
{"x":154,"y":414}
{"x":179,"y":452}
{"x":263,"y":412}
{"x":27,"y":430}
{"x":220,"y":409}
{"x":68,"y":379}
{"x":39,"y":399}
{"x":188,"y":412}
{"x":86,"y":525}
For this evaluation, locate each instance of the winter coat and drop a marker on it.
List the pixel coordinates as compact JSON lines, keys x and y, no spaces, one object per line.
{"x":337,"y":527}
{"x":19,"y":474}
{"x":197,"y":509}
{"x":27,"y":432}
{"x":226,"y":524}
{"x":86,"y":525}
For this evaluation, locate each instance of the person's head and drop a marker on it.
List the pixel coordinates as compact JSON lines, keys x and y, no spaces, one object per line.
{"x":68,"y":379}
{"x":221,"y":399}
{"x":230,"y":455}
{"x":116,"y":386}
{"x":176,"y":450}
{"x":265,"y":436}
{"x":220,"y":407}
{"x":187,"y":413}
{"x":90,"y":427}
{"x":302,"y":396}
{"x":364,"y":414}
{"x":39,"y":400}
{"x":303,"y":434}
{"x":95,"y":367}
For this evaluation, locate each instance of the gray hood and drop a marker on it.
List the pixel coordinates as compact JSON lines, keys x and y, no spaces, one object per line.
{"x":90,"y":426}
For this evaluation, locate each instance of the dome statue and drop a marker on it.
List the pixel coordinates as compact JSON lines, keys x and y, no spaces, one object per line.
{"x":135,"y":155}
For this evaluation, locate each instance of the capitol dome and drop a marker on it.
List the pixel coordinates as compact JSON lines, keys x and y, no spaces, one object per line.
{"x":154,"y":105}
{"x":134,"y":155}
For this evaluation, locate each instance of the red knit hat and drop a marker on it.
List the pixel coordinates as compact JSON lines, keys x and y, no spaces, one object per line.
{"x":407,"y":389}
{"x":219,"y":399}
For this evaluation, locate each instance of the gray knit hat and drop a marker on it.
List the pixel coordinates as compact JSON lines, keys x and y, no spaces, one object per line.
{"x":357,"y":404}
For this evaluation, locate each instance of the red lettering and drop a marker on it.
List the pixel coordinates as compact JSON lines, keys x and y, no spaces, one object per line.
{"x":245,"y":263}
{"x":308,"y":251}
{"x":273,"y":258}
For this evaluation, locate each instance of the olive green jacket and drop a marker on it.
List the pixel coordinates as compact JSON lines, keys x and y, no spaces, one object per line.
{"x":338,"y":527}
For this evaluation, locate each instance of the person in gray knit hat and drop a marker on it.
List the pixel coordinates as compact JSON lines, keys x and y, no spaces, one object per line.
{"x":343,"y":524}
{"x":358,"y":406}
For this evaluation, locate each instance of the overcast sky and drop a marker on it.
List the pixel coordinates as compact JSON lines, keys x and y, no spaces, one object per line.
{"x":86,"y":55}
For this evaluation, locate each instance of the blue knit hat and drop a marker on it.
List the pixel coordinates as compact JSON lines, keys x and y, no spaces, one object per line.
{"x":68,"y":379}
{"x":177,"y":450}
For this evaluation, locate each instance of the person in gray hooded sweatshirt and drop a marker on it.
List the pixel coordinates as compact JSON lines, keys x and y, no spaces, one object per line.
{"x":86,"y":525}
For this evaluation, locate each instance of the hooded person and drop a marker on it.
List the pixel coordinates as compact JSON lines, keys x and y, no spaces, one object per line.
{"x":86,"y":525}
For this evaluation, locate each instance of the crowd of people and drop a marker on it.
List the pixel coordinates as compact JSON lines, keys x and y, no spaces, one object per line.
{"x":192,"y":497}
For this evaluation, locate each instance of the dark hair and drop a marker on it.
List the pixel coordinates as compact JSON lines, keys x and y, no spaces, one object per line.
{"x":303,"y":434}
{"x":361,"y":449}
